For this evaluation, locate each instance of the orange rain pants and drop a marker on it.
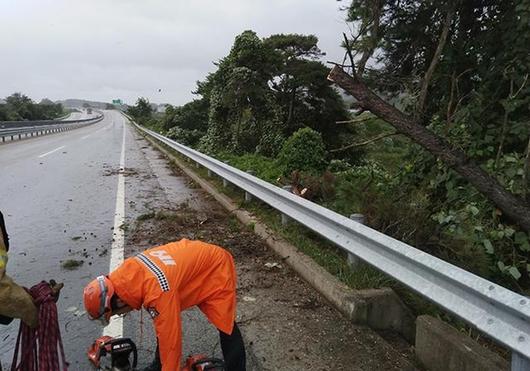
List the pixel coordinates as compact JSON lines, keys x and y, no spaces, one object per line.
{"x":168,"y":279}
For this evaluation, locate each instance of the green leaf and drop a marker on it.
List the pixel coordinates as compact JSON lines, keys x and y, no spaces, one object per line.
{"x":520,"y":237}
{"x":514,"y":272}
{"x":487,"y":244}
{"x":473,"y":210}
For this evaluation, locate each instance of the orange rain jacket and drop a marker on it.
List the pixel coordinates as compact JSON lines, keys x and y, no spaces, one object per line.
{"x":168,"y":279}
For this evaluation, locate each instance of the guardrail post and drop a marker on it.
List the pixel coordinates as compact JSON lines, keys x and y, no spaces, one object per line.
{"x":197,"y":165}
{"x":354,"y":261}
{"x":520,"y":362}
{"x":248,"y":196}
{"x":209,"y":173}
{"x":19,"y":136}
{"x":11,"y":137}
{"x":3,"y":139}
{"x":225,"y":183}
{"x":285,"y":218}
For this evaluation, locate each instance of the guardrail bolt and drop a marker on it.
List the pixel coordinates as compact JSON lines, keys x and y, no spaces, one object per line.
{"x":354,"y":261}
{"x":286,"y":219}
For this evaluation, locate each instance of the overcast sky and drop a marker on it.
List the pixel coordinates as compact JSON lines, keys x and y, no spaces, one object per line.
{"x":106,"y":49}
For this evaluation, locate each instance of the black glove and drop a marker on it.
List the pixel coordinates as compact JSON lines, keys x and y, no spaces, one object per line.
{"x":4,"y":320}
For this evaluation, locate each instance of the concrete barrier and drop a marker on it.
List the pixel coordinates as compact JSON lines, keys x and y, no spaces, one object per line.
{"x":440,"y":347}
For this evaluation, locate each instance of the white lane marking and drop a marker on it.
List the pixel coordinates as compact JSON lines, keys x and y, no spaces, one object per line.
{"x":49,"y":153}
{"x":86,"y":136}
{"x":115,"y":327}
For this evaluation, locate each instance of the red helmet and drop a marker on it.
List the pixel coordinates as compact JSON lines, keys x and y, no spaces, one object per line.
{"x":97,"y":295}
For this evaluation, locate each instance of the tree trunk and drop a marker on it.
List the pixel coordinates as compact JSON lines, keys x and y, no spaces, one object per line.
{"x":515,"y":208}
{"x":526,"y":173}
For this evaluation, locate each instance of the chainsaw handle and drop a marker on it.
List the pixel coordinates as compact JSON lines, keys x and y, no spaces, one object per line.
{"x":120,"y":341}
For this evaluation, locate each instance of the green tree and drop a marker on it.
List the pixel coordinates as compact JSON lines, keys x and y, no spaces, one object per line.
{"x":141,"y":111}
{"x":20,"y":107}
{"x":457,"y":73}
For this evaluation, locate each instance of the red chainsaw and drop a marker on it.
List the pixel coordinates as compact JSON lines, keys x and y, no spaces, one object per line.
{"x":121,"y":349}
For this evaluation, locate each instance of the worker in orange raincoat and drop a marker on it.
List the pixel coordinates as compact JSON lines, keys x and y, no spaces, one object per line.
{"x":166,"y":280}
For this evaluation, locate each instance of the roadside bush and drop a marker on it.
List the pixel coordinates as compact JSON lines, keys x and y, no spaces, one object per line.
{"x":185,"y":136}
{"x":263,"y":167}
{"x":303,"y":151}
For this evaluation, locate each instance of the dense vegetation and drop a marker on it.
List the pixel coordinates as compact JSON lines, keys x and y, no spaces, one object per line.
{"x":459,"y":70}
{"x":18,"y":107}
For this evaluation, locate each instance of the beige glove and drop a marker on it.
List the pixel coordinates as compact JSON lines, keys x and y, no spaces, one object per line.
{"x":15,"y":302}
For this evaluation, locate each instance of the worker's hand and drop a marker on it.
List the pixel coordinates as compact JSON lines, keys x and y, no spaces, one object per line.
{"x":56,"y":289}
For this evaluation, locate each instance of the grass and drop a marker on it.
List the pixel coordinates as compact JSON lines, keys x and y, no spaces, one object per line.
{"x":146,"y":216}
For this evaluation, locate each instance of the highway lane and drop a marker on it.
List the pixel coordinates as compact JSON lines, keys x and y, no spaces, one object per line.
{"x":59,"y":194}
{"x":59,"y":205}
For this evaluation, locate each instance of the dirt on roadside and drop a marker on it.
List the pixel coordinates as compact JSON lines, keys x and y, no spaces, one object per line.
{"x":286,"y":324}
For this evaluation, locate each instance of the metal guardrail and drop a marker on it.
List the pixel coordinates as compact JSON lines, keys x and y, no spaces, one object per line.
{"x":496,"y":311}
{"x":8,"y":129}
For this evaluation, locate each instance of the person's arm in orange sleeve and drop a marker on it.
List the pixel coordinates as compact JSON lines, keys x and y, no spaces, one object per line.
{"x":168,"y":331}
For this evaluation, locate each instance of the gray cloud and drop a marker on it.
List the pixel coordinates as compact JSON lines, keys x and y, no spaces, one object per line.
{"x":128,"y":48}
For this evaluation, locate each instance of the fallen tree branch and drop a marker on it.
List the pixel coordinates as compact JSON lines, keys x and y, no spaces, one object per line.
{"x":512,"y":206}
{"x":360,"y":144}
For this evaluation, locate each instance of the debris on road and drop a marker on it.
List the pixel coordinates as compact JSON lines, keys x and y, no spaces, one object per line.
{"x":72,"y":264}
{"x":273,"y":265}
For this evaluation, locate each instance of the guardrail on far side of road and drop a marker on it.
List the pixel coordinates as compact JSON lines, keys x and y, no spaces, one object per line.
{"x":11,"y":130}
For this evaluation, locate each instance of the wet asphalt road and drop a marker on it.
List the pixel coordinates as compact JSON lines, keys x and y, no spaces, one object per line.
{"x":59,"y":205}
{"x":58,"y":193}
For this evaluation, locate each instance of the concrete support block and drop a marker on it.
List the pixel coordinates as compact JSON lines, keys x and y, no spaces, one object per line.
{"x":440,"y":347}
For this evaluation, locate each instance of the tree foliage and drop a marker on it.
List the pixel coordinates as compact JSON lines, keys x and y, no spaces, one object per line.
{"x":303,"y":151}
{"x":141,"y":111}
{"x":261,"y":93}
{"x":20,"y":107}
{"x":460,"y":69}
